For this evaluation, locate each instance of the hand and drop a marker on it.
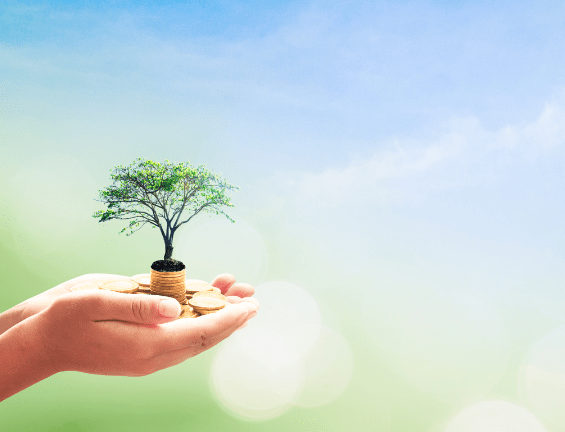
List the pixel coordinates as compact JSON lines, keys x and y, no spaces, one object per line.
{"x":226,"y":282}
{"x":107,"y":333}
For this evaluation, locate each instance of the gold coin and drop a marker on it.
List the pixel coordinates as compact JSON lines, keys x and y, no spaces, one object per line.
{"x":202,"y":303}
{"x":168,"y":274}
{"x":168,"y":292}
{"x":123,"y":286}
{"x":143,"y":279}
{"x":167,"y":282}
{"x":177,"y":285}
{"x":168,"y":289}
{"x":193,"y":287}
{"x":213,"y":294}
{"x":217,"y":290}
{"x":85,"y":285}
{"x":144,"y":289}
{"x":188,"y":312}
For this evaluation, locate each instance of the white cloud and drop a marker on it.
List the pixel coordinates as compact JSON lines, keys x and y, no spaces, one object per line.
{"x":465,"y":154}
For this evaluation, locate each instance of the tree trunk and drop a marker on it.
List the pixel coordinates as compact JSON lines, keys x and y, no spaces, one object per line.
{"x":168,"y":252}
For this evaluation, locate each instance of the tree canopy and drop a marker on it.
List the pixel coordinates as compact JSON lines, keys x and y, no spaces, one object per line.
{"x":147,"y":191}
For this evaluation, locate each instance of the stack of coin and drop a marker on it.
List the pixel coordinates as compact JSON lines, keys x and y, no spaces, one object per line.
{"x":203,"y":304}
{"x":170,"y":284}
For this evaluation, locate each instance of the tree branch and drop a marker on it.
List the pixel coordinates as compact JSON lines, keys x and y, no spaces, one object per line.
{"x":127,"y":235}
{"x":194,"y":214}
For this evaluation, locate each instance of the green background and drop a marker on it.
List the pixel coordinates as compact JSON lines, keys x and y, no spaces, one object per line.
{"x":400,"y":165}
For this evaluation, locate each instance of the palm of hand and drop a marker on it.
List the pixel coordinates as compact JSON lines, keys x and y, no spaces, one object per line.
{"x":234,"y":292}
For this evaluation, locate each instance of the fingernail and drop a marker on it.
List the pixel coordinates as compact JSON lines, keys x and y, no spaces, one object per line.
{"x":169,"y":308}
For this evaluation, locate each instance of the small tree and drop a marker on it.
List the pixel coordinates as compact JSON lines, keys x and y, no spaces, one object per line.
{"x":147,"y":191}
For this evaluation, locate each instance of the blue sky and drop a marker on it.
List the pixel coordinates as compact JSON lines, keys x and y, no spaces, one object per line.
{"x":449,"y":113}
{"x":337,"y":77}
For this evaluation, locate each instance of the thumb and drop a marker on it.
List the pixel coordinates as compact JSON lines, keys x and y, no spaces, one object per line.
{"x":137,"y":308}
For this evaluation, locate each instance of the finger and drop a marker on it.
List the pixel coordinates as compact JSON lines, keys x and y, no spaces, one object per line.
{"x":174,"y":357}
{"x":209,"y":343}
{"x":240,"y":290}
{"x":251,"y":315}
{"x":236,"y":300}
{"x":252,"y":305}
{"x":223,"y":281}
{"x":243,"y":325}
{"x":104,"y":305}
{"x":186,"y":333}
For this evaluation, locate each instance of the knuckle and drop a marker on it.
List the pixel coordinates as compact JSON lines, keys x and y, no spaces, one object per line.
{"x":204,"y":342}
{"x":195,"y":332}
{"x":95,"y":301}
{"x":200,"y":338}
{"x":141,"y":309}
{"x":63,"y":303}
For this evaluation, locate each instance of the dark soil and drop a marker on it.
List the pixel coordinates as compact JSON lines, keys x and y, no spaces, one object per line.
{"x":168,"y":266}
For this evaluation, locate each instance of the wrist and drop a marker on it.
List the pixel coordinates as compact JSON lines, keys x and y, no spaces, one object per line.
{"x":24,"y":360}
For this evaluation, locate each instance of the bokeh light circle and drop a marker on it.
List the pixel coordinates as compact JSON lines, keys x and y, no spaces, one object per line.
{"x":327,"y":370}
{"x":284,"y":357}
{"x":541,"y":382}
{"x":291,"y":313}
{"x":252,"y":378}
{"x":454,"y":348}
{"x":494,"y":416}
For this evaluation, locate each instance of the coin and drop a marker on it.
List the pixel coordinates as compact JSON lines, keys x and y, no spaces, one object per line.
{"x":188,"y":312}
{"x":213,"y":294}
{"x":85,"y":285}
{"x":193,"y":287}
{"x":123,"y":286}
{"x":143,"y":289}
{"x":203,"y":303}
{"x":143,"y":279}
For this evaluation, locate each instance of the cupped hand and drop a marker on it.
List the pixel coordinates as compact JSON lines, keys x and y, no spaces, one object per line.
{"x":234,"y":292}
{"x":107,"y":333}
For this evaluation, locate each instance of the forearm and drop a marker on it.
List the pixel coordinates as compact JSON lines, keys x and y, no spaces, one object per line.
{"x":25,"y":309}
{"x":22,"y":358}
{"x":9,"y":318}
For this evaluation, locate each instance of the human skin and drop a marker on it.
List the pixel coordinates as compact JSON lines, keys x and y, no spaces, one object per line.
{"x":235,"y":292}
{"x":107,"y":333}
